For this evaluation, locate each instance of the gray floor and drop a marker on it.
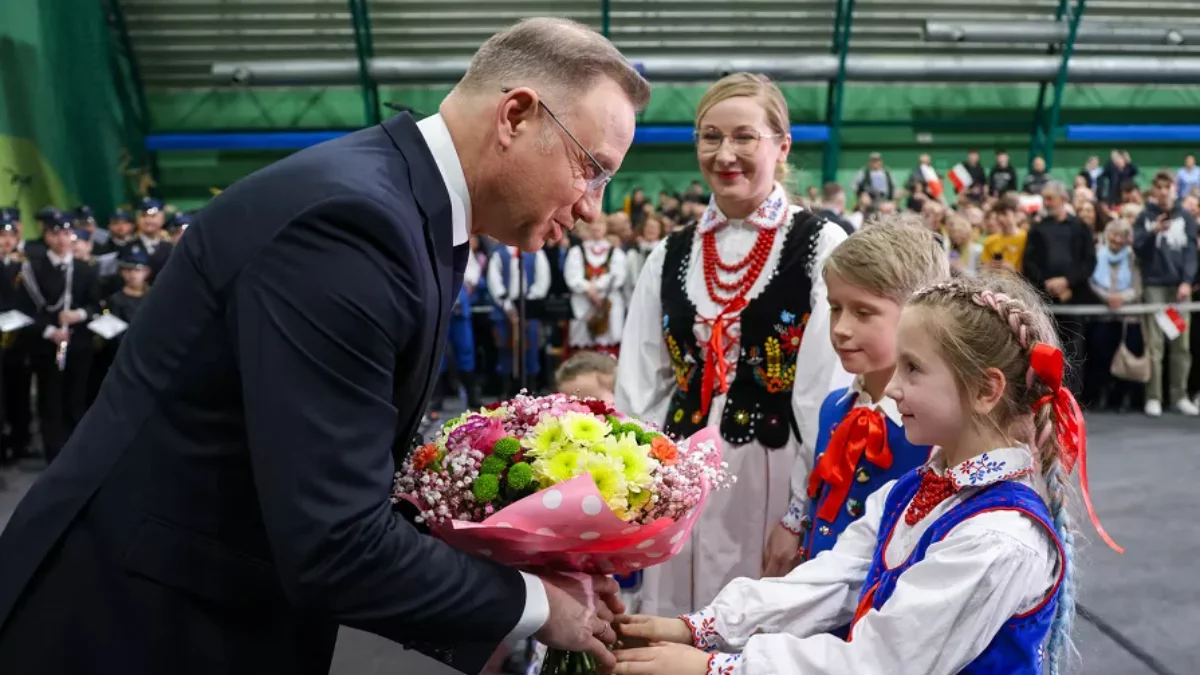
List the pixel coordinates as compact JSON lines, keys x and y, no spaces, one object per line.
{"x":1144,"y":475}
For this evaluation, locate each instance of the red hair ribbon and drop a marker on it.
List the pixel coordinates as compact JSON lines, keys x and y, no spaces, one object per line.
{"x":863,"y":431}
{"x":716,"y":369}
{"x":1047,"y":363}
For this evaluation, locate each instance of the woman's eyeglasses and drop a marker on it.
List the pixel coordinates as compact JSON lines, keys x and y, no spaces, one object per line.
{"x":741,"y":142}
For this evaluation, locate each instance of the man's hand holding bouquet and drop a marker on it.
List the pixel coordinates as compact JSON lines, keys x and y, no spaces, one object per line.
{"x":566,"y":488}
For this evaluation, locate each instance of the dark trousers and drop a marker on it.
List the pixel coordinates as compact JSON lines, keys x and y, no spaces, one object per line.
{"x":18,"y":378}
{"x":61,"y":394}
{"x":1100,"y":387}
{"x":487,"y":357}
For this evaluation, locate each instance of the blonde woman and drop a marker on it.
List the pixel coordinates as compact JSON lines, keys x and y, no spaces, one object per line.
{"x":728,"y":326}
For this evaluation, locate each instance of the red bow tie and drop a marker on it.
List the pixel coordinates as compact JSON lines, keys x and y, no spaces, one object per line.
{"x":862,"y":432}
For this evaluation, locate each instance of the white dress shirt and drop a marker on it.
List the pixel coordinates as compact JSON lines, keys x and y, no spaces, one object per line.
{"x":441,"y":146}
{"x":945,"y":610}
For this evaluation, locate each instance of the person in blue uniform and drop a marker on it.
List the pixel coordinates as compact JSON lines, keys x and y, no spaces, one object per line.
{"x":60,"y":293}
{"x":506,"y":286}
{"x":10,"y":269}
{"x":124,"y":304}
{"x":151,"y":220}
{"x":860,"y":442}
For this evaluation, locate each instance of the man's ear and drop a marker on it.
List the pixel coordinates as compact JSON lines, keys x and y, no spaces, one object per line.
{"x":515,"y":115}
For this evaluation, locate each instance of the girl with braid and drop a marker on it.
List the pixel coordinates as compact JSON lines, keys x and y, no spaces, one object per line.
{"x":965,"y":564}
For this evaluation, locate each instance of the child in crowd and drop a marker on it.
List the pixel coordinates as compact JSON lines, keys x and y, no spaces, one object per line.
{"x":860,"y":442}
{"x":1006,"y":248}
{"x":587,"y":375}
{"x":963,"y":565}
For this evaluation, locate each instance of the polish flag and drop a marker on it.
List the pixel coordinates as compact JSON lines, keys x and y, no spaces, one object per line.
{"x":961,"y":178}
{"x":1170,"y":321}
{"x":931,"y":180}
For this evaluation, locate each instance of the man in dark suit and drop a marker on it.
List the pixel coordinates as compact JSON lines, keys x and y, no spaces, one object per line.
{"x":224,"y":504}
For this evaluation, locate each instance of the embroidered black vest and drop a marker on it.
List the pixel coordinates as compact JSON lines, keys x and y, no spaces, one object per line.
{"x":759,"y":403}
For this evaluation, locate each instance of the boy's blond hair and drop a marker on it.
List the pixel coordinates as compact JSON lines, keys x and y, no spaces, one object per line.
{"x":892,"y":256}
{"x":585,"y":363}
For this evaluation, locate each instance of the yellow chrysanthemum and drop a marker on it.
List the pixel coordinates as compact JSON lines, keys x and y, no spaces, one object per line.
{"x":546,"y":439}
{"x":584,"y":429}
{"x":609,"y":475}
{"x":638,"y":465}
{"x":563,"y":466}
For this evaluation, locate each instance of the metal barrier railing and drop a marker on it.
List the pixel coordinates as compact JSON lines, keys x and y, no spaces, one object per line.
{"x":1125,"y":310}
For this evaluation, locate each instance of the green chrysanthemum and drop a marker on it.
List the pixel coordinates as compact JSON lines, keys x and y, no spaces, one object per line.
{"x":520,"y":476}
{"x":506,"y":447}
{"x":493,"y":465}
{"x":486,"y":488}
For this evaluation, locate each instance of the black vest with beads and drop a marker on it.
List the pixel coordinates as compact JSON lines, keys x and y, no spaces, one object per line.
{"x":759,"y":403}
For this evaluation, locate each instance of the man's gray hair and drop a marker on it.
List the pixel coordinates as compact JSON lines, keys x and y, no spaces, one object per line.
{"x":1057,"y":188}
{"x":560,"y":55}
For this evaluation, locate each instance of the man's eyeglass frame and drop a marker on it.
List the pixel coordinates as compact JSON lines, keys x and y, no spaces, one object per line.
{"x":595,"y":184}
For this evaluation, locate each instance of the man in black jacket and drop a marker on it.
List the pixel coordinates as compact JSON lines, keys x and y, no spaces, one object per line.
{"x":1060,"y":255}
{"x":224,"y":506}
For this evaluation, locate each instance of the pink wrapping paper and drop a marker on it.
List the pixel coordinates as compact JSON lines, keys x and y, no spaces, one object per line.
{"x":570,"y":528}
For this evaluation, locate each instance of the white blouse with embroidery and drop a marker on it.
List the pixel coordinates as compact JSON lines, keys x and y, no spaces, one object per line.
{"x":944,"y":612}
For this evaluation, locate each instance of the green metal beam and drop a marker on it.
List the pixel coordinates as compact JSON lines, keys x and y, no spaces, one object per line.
{"x":1045,"y":123}
{"x":835,"y":94}
{"x":1060,"y":84}
{"x":605,"y":18}
{"x":364,"y":48}
{"x":130,"y":77}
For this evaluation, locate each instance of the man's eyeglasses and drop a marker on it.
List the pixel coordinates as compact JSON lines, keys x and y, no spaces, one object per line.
{"x":742,"y":142}
{"x":601,"y":176}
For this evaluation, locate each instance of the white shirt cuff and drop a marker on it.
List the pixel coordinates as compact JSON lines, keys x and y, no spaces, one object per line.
{"x":48,"y":331}
{"x":537,"y":609}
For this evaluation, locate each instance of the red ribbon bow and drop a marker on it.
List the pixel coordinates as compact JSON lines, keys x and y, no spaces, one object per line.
{"x":1047,"y":363}
{"x":716,"y":368}
{"x":863,"y":431}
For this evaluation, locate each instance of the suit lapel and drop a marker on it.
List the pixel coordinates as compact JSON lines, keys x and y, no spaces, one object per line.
{"x":433,"y":203}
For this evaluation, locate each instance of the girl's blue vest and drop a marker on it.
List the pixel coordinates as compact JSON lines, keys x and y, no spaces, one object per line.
{"x":1017,"y":647}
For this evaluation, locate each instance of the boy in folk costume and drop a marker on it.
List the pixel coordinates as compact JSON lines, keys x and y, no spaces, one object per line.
{"x":964,"y":565}
{"x":595,"y":271}
{"x":861,"y":443}
{"x":506,"y":286}
{"x":728,"y":327}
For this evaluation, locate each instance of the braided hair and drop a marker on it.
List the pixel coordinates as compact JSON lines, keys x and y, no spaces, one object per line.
{"x":993,"y":321}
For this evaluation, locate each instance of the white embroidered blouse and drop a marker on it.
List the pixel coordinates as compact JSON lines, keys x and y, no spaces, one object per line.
{"x":944,"y":612}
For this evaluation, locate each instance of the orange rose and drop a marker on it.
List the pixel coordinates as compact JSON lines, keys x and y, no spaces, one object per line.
{"x":662,"y":449}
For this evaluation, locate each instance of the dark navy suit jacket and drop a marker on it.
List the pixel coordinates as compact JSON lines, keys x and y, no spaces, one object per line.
{"x":223,"y":506}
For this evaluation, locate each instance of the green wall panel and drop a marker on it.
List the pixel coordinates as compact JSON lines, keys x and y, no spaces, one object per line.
{"x":899,"y":120}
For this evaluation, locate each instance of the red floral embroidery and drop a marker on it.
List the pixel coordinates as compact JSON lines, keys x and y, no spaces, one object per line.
{"x":792,"y":338}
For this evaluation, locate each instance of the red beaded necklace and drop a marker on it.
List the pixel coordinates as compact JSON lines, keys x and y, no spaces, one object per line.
{"x":934,"y":490}
{"x":722,"y":292}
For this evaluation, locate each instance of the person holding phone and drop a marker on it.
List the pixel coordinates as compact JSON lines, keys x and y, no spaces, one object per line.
{"x":1006,"y":248}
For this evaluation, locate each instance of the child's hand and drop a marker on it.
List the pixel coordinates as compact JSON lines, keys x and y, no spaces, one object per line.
{"x":640,"y":630}
{"x":662,"y":659}
{"x":782,"y":552}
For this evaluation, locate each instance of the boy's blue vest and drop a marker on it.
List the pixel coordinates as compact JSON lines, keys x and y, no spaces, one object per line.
{"x":1017,"y":647}
{"x":819,"y":534}
{"x":506,"y":273}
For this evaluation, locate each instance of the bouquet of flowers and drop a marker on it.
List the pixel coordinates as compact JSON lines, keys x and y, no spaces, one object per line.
{"x":561,"y":484}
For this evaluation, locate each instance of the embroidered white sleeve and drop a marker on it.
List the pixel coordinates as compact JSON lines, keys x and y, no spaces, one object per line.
{"x":945,"y":610}
{"x":645,"y":378}
{"x":818,"y":372}
{"x":573,"y":271}
{"x":818,"y":596}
